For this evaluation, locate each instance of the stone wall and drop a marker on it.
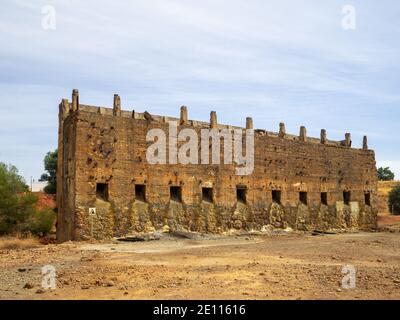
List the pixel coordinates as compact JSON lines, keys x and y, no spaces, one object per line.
{"x":102,"y":165}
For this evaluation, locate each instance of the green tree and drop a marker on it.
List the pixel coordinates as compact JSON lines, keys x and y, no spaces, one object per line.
{"x":385,"y":174}
{"x":394,"y":200}
{"x":50,"y":165}
{"x":10,"y":180}
{"x":18,"y":207}
{"x":13,"y":207}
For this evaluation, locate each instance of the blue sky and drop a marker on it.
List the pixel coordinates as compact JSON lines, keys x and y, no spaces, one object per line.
{"x":276,"y":61}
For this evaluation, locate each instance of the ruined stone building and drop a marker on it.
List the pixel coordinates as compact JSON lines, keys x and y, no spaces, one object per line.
{"x":106,"y":188}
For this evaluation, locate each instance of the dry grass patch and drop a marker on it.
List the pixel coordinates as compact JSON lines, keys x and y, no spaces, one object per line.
{"x":12,"y":243}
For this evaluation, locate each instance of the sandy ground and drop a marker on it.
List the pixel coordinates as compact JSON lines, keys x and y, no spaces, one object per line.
{"x":286,"y":266}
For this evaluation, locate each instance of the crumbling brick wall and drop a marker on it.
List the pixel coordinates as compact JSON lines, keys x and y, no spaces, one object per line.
{"x":298,"y":182}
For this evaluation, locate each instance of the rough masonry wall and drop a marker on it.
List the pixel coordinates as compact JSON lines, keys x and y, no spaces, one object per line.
{"x":111,"y":150}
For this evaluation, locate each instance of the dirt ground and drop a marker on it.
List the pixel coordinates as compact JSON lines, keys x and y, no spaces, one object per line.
{"x":277,"y":266}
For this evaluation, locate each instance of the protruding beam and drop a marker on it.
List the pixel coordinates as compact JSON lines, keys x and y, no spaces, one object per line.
{"x":348,"y":140}
{"x":184,"y":115}
{"x":323,"y":136}
{"x":65,"y":107}
{"x":303,"y":134}
{"x":249,"y":123}
{"x":365,"y":143}
{"x":213,"y":120}
{"x":147,"y":116}
{"x":117,"y":105}
{"x":282,"y":130}
{"x":75,"y":100}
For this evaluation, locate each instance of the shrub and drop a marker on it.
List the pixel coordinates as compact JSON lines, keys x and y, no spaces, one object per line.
{"x":394,"y":200}
{"x":18,"y":208}
{"x":15,"y":211}
{"x":41,"y":222}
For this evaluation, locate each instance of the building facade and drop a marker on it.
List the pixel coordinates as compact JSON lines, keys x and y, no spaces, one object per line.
{"x":107,"y":187}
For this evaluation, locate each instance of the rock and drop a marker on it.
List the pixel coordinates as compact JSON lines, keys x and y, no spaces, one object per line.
{"x":379,"y":260}
{"x":152,"y":236}
{"x":28,"y":285}
{"x":186,"y":235}
{"x":40,"y":291}
{"x":237,"y":224}
{"x":267,"y":228}
{"x":84,"y":287}
{"x":98,"y":283}
{"x":140,"y":237}
{"x":86,"y":259}
{"x":21,"y":269}
{"x":110,"y":283}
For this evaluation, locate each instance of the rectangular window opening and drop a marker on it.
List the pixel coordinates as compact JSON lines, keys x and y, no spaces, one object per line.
{"x":207,"y":194}
{"x":175,"y":193}
{"x":241,"y":194}
{"x":276,"y":196}
{"x":346,"y":197}
{"x":140,"y":192}
{"x":102,"y":191}
{"x":367,"y":197}
{"x":324,"y":198}
{"x":303,"y":197}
